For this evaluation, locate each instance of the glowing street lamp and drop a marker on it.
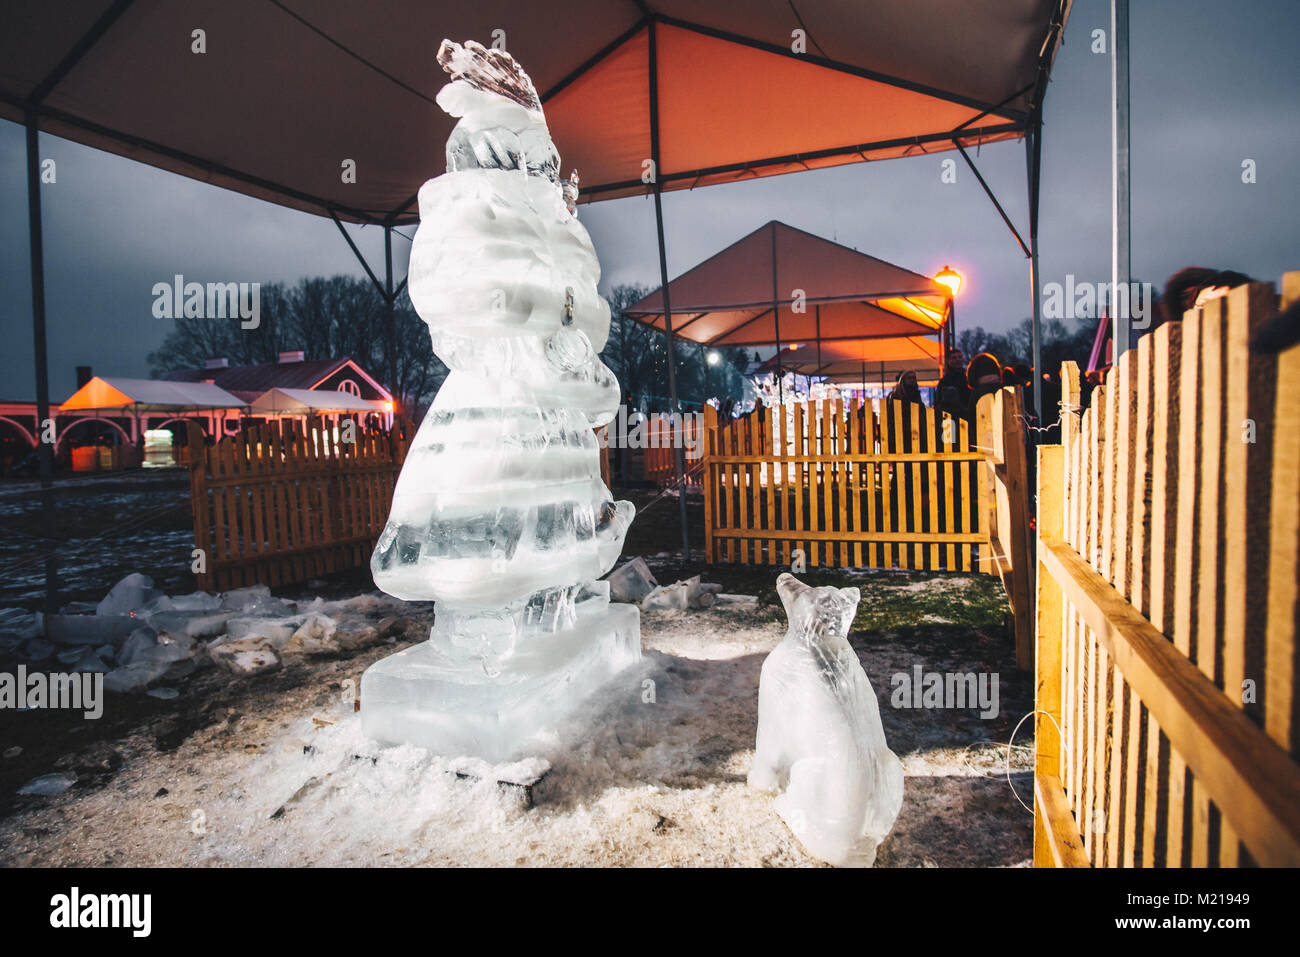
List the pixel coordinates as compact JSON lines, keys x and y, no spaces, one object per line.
{"x":947,"y":276}
{"x":714,"y":357}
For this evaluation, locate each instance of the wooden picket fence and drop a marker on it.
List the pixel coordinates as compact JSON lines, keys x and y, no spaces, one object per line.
{"x":905,"y":488}
{"x":285,"y":501}
{"x":654,"y":461}
{"x":1167,"y":587}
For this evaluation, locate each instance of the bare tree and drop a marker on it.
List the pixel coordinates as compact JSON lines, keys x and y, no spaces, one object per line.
{"x":327,"y":318}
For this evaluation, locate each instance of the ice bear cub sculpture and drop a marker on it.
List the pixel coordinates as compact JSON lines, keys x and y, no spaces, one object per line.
{"x":820,"y":740}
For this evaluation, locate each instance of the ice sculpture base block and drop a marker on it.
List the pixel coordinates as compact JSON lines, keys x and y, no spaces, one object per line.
{"x":452,"y":708}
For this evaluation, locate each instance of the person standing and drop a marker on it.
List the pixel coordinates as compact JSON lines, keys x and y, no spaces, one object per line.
{"x":952,"y":395}
{"x":906,"y":388}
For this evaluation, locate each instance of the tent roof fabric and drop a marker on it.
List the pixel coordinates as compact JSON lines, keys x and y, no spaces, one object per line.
{"x":823,"y":290}
{"x":303,"y":401}
{"x":144,"y":395}
{"x":288,"y":90}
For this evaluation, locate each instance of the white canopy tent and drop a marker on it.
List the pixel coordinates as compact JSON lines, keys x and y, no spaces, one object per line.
{"x":148,"y":395}
{"x":313,"y":401}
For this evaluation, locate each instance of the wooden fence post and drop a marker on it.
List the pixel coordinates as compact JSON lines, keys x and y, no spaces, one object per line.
{"x":1056,"y":839}
{"x":1019,"y":541}
{"x":707,"y":467}
{"x":986,"y":510}
{"x":197,"y":447}
{"x":1047,"y":651}
{"x":1283,"y":619}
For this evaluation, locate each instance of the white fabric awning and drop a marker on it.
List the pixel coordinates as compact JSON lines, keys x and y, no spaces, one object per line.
{"x":307,"y":401}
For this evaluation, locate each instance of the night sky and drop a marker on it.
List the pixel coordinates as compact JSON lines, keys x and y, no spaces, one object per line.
{"x":1214,"y":82}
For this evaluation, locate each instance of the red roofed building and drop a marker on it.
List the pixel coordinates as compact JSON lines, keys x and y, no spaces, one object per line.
{"x":290,"y":371}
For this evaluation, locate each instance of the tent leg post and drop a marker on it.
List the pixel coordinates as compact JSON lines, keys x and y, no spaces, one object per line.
{"x":674,"y":404}
{"x":818,"y":315}
{"x":1120,"y":260}
{"x":389,"y":297}
{"x":44,"y":449}
{"x":1033,"y":147}
{"x":679,"y":461}
{"x":776,"y":326}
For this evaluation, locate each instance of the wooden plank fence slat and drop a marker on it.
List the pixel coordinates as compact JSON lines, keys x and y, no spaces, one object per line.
{"x":1281,"y":703}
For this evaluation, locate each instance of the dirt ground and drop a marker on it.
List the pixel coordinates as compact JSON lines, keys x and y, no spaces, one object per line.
{"x":273,"y":770}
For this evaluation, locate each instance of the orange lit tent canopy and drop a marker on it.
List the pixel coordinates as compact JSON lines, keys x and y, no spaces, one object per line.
{"x":148,"y":395}
{"x":711,"y":90}
{"x":784,"y":286}
{"x":865,"y":362}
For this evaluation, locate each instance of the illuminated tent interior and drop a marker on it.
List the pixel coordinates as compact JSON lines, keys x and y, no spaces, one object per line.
{"x":864,"y":363}
{"x":823,"y":305}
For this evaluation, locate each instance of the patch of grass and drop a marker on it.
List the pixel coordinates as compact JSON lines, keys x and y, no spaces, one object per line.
{"x":890,"y":600}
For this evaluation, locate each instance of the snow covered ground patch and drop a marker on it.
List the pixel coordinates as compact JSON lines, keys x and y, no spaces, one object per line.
{"x":651,"y":774}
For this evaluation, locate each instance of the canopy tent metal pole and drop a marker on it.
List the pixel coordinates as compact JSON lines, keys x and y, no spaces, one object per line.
{"x":389,"y":297}
{"x":776,"y":321}
{"x":989,"y":192}
{"x":1120,"y":261}
{"x":818,"y":313}
{"x":1034,"y":155}
{"x":44,"y":449}
{"x":678,"y":452}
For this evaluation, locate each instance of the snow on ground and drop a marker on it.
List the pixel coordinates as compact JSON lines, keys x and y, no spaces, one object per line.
{"x":286,"y":778}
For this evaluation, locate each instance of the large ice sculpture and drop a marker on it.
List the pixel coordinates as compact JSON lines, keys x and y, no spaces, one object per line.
{"x":820,"y":740}
{"x":500,"y":514}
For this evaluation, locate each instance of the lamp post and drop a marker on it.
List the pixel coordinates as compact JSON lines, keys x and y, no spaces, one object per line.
{"x":947,"y":276}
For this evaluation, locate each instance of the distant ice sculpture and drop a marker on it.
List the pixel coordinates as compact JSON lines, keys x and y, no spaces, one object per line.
{"x":500,"y":514}
{"x":820,"y":740}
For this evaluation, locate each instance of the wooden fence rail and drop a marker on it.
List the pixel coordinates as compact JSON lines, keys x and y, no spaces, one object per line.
{"x":285,"y":502}
{"x":1167,"y":583}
